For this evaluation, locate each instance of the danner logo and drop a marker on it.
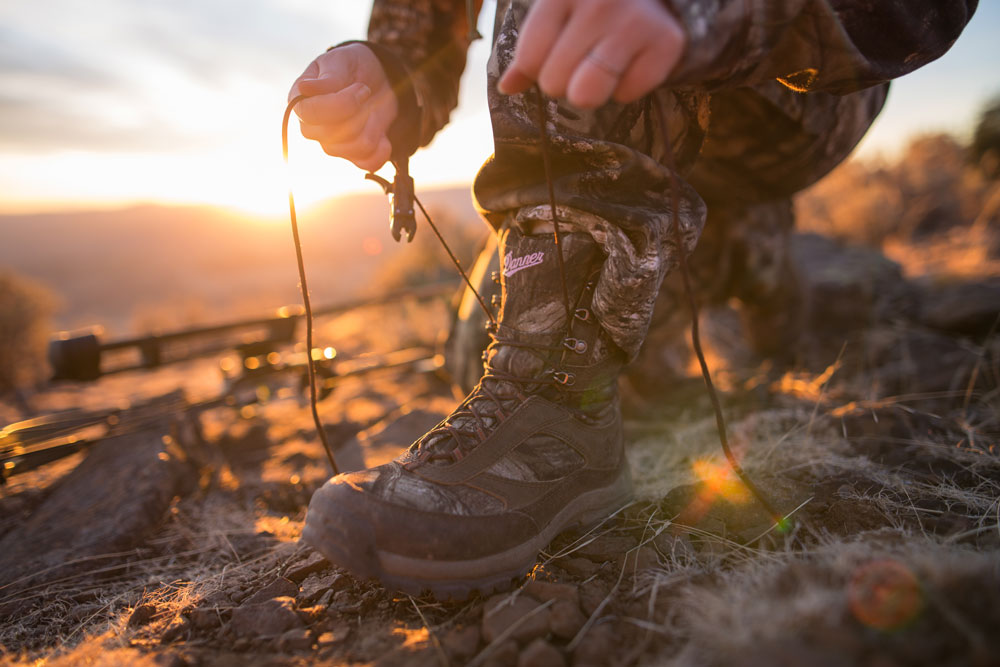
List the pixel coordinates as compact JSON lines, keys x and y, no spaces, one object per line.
{"x":512,"y":265}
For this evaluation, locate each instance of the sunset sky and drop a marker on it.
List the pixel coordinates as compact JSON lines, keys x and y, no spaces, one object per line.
{"x":112,"y":102}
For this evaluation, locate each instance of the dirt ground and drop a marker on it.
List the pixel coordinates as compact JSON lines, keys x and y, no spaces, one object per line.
{"x":882,"y":450}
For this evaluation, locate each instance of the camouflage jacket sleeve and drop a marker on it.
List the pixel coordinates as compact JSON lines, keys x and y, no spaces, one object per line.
{"x":836,"y":46}
{"x":430,"y":37}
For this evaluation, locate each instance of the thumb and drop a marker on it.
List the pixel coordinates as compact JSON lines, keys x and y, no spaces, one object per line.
{"x":320,"y":86}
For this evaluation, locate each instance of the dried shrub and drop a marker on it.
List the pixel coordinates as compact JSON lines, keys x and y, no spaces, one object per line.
{"x":25,"y":309}
{"x":930,"y":189}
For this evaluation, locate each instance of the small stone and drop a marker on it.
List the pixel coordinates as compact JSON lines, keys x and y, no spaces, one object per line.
{"x":636,"y":560}
{"x":565,"y":619}
{"x":269,"y":619}
{"x":676,"y":548}
{"x":310,"y":615}
{"x":141,"y":615}
{"x":298,"y":639}
{"x":178,"y":627}
{"x":205,"y":618}
{"x":504,"y":654}
{"x":314,"y":563}
{"x":581,"y":567}
{"x":316,"y":584}
{"x":241,"y":644}
{"x":543,"y":591}
{"x":607,"y":547}
{"x":504,"y":611}
{"x":278,"y":588}
{"x":334,"y":635}
{"x":461,"y":642}
{"x":595,"y":647}
{"x":540,"y":653}
{"x":592,"y":594}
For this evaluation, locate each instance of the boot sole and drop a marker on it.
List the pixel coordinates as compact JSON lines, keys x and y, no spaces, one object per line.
{"x":346,"y":539}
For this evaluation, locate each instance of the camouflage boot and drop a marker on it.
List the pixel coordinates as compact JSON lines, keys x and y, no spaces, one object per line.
{"x":534,"y":449}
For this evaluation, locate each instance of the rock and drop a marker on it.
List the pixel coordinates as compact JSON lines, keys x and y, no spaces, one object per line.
{"x":141,"y":615}
{"x":504,"y":611}
{"x":178,"y":627}
{"x":540,"y":653}
{"x":592,"y":594}
{"x":504,"y":654}
{"x":565,"y":619}
{"x":596,"y":647}
{"x":205,"y":618}
{"x":334,"y":634}
{"x":280,"y":587}
{"x":636,"y":560}
{"x":968,"y":308}
{"x":80,"y":520}
{"x":265,"y":619}
{"x":315,"y":585}
{"x":607,"y":547}
{"x":461,"y":642}
{"x":676,"y":548}
{"x":315,"y":562}
{"x":581,"y":567}
{"x":298,"y":639}
{"x":543,"y":591}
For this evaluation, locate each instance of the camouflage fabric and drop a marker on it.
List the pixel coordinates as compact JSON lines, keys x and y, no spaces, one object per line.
{"x":768,"y":97}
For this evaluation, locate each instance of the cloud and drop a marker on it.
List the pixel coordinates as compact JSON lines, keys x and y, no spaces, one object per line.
{"x":119,"y":75}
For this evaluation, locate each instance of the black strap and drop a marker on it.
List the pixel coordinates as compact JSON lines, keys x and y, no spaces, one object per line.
{"x":404,"y":133}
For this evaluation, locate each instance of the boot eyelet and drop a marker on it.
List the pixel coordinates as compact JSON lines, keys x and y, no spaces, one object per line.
{"x":564,"y":378}
{"x":576,"y":345}
{"x":495,"y":301}
{"x":490,"y":328}
{"x":495,"y":277}
{"x":582,"y":314}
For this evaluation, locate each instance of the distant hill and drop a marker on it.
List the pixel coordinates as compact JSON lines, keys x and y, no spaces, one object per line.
{"x":161,"y":266}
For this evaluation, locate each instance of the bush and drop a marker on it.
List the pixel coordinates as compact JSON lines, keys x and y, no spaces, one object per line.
{"x":25,"y":309}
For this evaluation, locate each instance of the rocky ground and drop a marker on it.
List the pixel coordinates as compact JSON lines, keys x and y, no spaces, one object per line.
{"x":175,"y":541}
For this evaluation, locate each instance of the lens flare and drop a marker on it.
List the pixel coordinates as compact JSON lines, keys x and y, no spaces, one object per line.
{"x":885,"y":595}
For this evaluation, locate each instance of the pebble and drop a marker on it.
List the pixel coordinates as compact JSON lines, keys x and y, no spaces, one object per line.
{"x":675,"y":547}
{"x":316,"y":584}
{"x":504,"y":654}
{"x":205,"y":618}
{"x":543,"y":591}
{"x":636,"y":560}
{"x":314,"y":563}
{"x":178,"y":628}
{"x":270,"y":618}
{"x":503,"y":611}
{"x":334,"y":635}
{"x":280,"y":587}
{"x":461,"y":642}
{"x":565,"y":619}
{"x":592,"y":594}
{"x":607,"y":547}
{"x":595,"y":648}
{"x":540,"y":653}
{"x":581,"y":567}
{"x":141,"y":615}
{"x":298,"y":639}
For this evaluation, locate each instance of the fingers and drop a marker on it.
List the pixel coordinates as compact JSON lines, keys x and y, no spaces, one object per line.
{"x":336,"y":109}
{"x":544,"y":21}
{"x":366,"y":146}
{"x":589,"y":51}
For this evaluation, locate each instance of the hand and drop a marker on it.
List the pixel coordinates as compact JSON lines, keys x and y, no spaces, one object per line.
{"x":590,"y":50}
{"x":351,"y":105}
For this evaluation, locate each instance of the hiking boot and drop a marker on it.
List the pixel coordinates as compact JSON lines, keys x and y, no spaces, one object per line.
{"x":535,"y":448}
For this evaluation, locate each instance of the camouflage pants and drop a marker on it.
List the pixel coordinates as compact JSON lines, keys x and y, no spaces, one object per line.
{"x":740,"y":154}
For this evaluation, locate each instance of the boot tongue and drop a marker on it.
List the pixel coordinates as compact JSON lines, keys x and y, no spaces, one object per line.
{"x":533,"y":309}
